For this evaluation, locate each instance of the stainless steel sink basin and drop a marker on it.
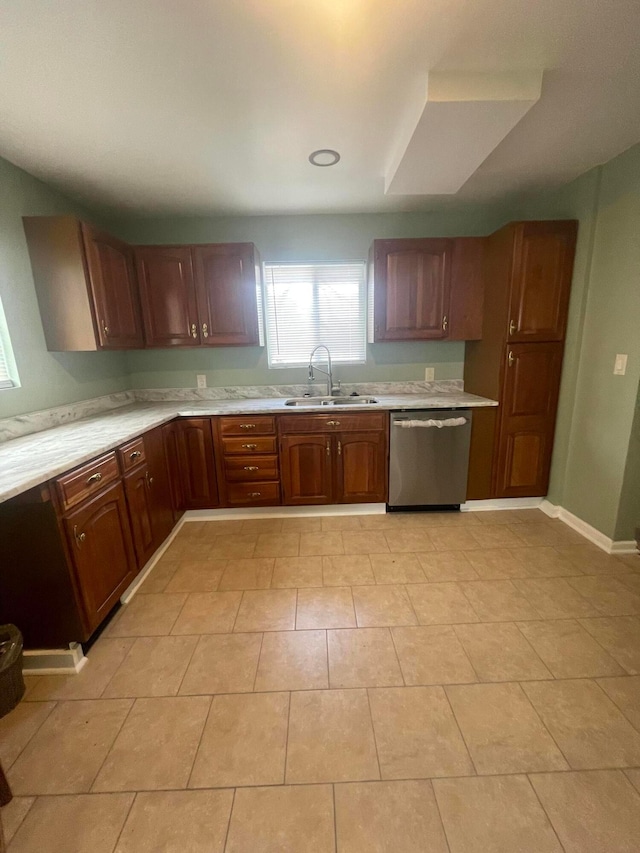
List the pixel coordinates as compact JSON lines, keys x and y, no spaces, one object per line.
{"x":330,"y":401}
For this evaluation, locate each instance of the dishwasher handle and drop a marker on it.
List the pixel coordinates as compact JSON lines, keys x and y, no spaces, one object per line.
{"x":438,"y":423}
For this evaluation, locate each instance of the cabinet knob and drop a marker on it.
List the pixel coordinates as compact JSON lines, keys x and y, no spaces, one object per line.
{"x":445,"y":323}
{"x":135,"y":454}
{"x":205,"y":330}
{"x":333,"y":423}
{"x":105,"y":328}
{"x":510,"y":358}
{"x":251,"y":468}
{"x":94,"y":478}
{"x":79,"y":537}
{"x":194,"y":330}
{"x":512,"y":326}
{"x":255,"y":494}
{"x":247,"y":426}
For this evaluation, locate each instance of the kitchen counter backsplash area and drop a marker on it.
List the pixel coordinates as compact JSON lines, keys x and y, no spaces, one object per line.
{"x":32,"y":422}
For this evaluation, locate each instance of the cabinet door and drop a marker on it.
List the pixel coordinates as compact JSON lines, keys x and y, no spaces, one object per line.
{"x":196,"y":463}
{"x":306,"y":469}
{"x":168,"y":296}
{"x":113,"y":285}
{"x":163,"y":516}
{"x":361,"y":467}
{"x":541,"y":280}
{"x":225,"y":277}
{"x":411,"y":289}
{"x":170,"y":439}
{"x":137,"y":490}
{"x":531,"y":381}
{"x":102,"y":551}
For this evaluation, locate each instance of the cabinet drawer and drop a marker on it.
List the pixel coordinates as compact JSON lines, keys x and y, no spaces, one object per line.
{"x":257,"y":444}
{"x":333,"y":422}
{"x":78,"y":485}
{"x":244,"y":468}
{"x":248,"y":425}
{"x":131,"y":454}
{"x":253,"y":494}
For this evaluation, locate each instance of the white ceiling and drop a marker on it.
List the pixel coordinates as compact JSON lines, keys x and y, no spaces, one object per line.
{"x":213,"y":106}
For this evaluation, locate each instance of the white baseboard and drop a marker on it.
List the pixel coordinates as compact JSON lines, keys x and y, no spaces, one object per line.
{"x":501,"y":503}
{"x":139,"y":579}
{"x":610,"y":546}
{"x":54,"y":661}
{"x":283,"y":512}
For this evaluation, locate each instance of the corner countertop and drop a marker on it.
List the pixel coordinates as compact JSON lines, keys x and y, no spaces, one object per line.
{"x":33,"y":459}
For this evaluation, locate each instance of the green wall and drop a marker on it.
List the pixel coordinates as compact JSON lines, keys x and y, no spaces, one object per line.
{"x":629,"y":512}
{"x":294,"y":238}
{"x":47,"y":379}
{"x":597,"y":408}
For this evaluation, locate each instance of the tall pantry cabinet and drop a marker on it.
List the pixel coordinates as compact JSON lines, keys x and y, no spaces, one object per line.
{"x":518,"y":361}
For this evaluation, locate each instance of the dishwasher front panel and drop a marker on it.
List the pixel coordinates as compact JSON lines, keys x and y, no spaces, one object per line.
{"x":429,"y":457}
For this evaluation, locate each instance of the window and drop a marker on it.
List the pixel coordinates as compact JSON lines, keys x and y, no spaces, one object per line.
{"x":311,"y":304}
{"x":8,"y":373}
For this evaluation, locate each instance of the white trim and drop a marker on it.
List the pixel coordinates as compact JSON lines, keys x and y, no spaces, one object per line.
{"x":589,"y":532}
{"x":139,"y":579}
{"x":501,"y":503}
{"x":54,"y":661}
{"x":284,"y":512}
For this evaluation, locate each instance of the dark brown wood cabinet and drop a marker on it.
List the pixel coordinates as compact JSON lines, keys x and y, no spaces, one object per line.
{"x":168,"y":296}
{"x":226,"y":277}
{"x":163,"y":513}
{"x":192,"y":463}
{"x":199,"y":295}
{"x":411,"y":292}
{"x":137,"y":491}
{"x":86,"y":285}
{"x":102,"y":551}
{"x":527,"y":280}
{"x":327,"y":459}
{"x":249,"y":470}
{"x":426,"y":289}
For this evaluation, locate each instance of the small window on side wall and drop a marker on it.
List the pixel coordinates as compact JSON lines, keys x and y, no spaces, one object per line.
{"x":315,"y":303}
{"x":8,"y":371}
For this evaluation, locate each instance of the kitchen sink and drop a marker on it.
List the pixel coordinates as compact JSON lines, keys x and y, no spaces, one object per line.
{"x":330,"y":401}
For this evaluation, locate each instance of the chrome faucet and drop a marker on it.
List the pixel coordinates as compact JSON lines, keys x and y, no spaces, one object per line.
{"x":332,"y":390}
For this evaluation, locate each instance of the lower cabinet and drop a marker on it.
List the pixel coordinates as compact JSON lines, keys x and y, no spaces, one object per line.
{"x":101,"y":549}
{"x":138,"y":491}
{"x":189,"y":448}
{"x":349,"y":466}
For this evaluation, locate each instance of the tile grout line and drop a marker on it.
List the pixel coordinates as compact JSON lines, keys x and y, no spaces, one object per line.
{"x":226,"y":835}
{"x":255,"y":677}
{"x":395,"y":649}
{"x":115,"y":737}
{"x":595,"y":678}
{"x":544,"y":811}
{"x":124,"y":822}
{"x":443,"y":687}
{"x":335,"y":818}
{"x":197,"y":749}
{"x":373,"y":731}
{"x":442,"y":823}
{"x":542,"y":722}
{"x":186,"y":669}
{"x":286,"y":750}
{"x":468,"y":657}
{"x":56,"y":702}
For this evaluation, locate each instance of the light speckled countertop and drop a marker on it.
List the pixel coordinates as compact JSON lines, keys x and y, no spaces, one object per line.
{"x":33,"y":459}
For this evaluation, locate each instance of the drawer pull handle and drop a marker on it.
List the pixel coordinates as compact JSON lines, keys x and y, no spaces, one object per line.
{"x":94,"y":478}
{"x":512,"y":327}
{"x":255,"y":494}
{"x":194,"y":330}
{"x":247,"y":426}
{"x":205,"y":330}
{"x":79,"y":537}
{"x":510,"y":358}
{"x":251,"y":468}
{"x":328,"y":448}
{"x":135,"y":454}
{"x":339,"y":448}
{"x":333,"y":423}
{"x":148,"y":479}
{"x":249,"y":446}
{"x":445,"y":323}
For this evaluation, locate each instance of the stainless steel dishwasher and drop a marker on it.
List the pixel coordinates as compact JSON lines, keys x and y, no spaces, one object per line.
{"x":429,"y":458}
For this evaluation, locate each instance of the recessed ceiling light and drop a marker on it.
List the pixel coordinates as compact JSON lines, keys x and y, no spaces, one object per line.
{"x":324,"y":157}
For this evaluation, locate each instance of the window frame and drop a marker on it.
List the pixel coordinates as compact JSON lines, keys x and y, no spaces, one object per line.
{"x":316,"y":317}
{"x":7,"y":356}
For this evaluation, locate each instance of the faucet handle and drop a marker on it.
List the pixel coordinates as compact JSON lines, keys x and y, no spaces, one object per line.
{"x":335,"y":389}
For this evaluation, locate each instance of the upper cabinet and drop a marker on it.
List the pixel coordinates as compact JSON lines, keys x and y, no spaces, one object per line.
{"x":168,"y":296}
{"x":85,"y":283}
{"x":426,"y":289}
{"x":540,"y":280}
{"x":199,"y":295}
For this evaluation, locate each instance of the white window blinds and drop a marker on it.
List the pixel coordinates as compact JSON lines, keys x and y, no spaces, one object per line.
{"x":6,"y":360}
{"x":311,"y":304}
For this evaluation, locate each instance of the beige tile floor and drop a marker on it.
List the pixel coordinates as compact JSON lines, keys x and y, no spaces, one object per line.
{"x":410,"y":683}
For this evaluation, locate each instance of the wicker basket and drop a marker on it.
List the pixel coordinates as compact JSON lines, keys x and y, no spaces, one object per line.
{"x":11,"y":680}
